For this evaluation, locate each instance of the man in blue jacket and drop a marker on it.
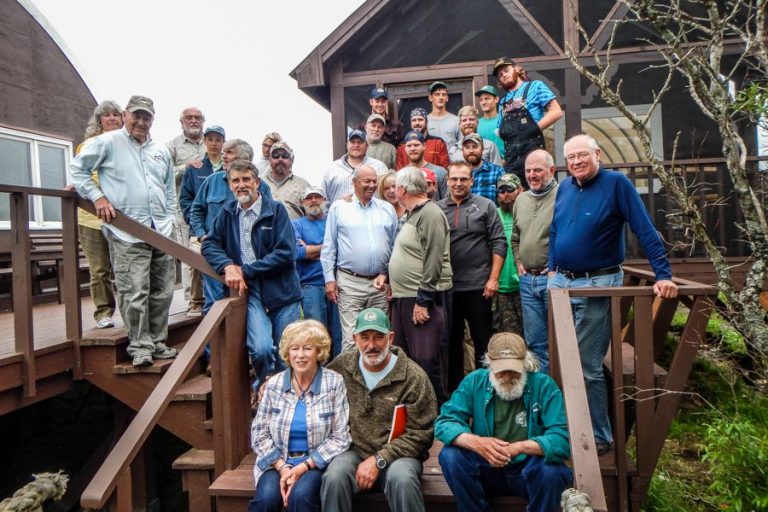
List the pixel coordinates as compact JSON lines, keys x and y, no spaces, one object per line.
{"x":253,"y":245}
{"x":505,"y":432}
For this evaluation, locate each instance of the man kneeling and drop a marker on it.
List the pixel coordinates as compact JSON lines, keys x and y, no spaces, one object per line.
{"x":505,"y":432}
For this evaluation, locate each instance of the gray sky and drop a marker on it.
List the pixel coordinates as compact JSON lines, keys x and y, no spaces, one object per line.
{"x":230,"y":58}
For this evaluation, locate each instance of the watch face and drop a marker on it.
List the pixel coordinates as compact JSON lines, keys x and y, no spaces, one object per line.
{"x":380,"y":462}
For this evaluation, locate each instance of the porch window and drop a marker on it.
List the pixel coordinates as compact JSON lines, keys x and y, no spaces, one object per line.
{"x":33,"y":160}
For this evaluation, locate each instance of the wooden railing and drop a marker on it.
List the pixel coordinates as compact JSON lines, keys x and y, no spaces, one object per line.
{"x":644,"y":395}
{"x":224,"y":326}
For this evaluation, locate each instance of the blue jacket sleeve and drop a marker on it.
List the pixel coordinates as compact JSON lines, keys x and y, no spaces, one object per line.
{"x":282,"y":253}
{"x":187,"y":192}
{"x":213,"y":247}
{"x":301,"y":249}
{"x":198,"y":210}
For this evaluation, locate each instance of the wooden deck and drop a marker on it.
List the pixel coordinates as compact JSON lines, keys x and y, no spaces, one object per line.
{"x":54,"y":353}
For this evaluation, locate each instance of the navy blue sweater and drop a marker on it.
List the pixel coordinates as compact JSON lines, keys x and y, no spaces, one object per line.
{"x":273,"y":274}
{"x":190,"y":184}
{"x":587,"y":231}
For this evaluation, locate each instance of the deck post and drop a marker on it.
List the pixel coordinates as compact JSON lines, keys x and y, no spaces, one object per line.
{"x":69,"y":280}
{"x":22,"y":289}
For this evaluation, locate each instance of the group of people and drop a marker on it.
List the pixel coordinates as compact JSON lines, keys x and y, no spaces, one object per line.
{"x":396,"y":271}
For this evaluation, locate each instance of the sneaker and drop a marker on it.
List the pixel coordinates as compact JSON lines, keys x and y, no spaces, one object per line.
{"x":142,"y":360}
{"x":195,"y":310}
{"x":105,"y":322}
{"x":162,"y":351}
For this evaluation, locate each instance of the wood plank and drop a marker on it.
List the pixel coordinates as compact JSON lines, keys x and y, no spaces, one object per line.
{"x":23,"y":327}
{"x":197,"y":389}
{"x":69,"y":279}
{"x":194,"y":459}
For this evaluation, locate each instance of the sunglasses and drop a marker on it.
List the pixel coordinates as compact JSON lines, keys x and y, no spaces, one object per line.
{"x":506,"y":190}
{"x":281,"y":154}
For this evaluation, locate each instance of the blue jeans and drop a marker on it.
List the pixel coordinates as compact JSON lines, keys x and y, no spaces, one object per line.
{"x":304,"y":497}
{"x":213,"y":290}
{"x":317,"y":307}
{"x":592,"y":318}
{"x":263,"y":332}
{"x":472,"y":480}
{"x":533,"y":296}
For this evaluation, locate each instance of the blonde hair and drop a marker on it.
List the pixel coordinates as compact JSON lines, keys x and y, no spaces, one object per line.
{"x":303,"y":331}
{"x":381,"y":187}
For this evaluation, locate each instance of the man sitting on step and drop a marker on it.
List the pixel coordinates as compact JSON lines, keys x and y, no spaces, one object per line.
{"x":505,"y":432}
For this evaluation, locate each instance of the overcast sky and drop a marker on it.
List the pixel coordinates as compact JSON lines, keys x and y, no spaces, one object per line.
{"x":230,"y":58}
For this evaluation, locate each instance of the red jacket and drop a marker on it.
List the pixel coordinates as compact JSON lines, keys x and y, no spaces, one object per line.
{"x":435,"y":152}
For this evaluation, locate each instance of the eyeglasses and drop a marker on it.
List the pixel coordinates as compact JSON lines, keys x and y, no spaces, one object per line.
{"x":281,"y":154}
{"x":578,"y":156}
{"x":506,"y":190}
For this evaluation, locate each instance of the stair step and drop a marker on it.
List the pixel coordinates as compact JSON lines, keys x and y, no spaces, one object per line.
{"x":158,"y":366}
{"x":208,"y":424}
{"x":194,"y":460}
{"x":115,"y":336}
{"x":198,"y":388}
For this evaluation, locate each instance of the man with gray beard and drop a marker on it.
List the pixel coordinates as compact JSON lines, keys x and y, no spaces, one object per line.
{"x":505,"y":432}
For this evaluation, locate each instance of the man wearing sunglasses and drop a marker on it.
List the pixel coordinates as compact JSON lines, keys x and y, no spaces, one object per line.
{"x":285,"y":186}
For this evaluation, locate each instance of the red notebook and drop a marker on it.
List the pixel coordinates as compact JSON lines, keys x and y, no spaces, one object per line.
{"x":399,"y":418}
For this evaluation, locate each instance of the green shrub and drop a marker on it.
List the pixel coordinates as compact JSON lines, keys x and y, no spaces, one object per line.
{"x":736,"y":449}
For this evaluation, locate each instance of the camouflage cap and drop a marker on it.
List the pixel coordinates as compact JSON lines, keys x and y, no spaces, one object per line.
{"x":501,"y":62}
{"x":273,"y":136}
{"x":376,"y":117}
{"x":137,"y":103}
{"x":474,"y":137}
{"x":508,"y":180}
{"x":281,"y":145}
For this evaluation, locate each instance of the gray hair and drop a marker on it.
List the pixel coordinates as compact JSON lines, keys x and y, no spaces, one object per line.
{"x":243,"y":149}
{"x":93,"y":128}
{"x":548,"y":160}
{"x":243,"y":165}
{"x":362,"y":167}
{"x":412,"y":180}
{"x":591,"y":142}
{"x":531,"y":362}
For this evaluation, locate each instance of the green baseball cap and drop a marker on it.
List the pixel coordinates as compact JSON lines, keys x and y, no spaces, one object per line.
{"x":488,"y":89}
{"x":372,"y":319}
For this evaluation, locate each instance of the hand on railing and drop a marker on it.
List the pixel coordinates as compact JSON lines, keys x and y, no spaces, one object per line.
{"x":233,"y":277}
{"x":104,"y":209}
{"x":666,"y":289}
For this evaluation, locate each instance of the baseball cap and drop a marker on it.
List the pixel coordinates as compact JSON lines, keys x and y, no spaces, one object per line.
{"x":418,"y":111}
{"x":474,"y":137}
{"x":437,"y":85}
{"x":376,"y":117}
{"x":312,"y":190}
{"x":506,"y":351}
{"x":501,"y":62}
{"x":414,"y":135}
{"x":214,"y":128}
{"x":488,"y":89}
{"x":429,"y":175}
{"x":281,"y":145}
{"x":137,"y":103}
{"x":508,"y":180}
{"x":372,"y":319}
{"x":378,"y":92}
{"x":356,"y":134}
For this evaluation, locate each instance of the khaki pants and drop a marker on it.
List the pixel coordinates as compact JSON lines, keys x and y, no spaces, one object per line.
{"x":355,"y":295}
{"x":191,"y":279}
{"x":96,"y":251}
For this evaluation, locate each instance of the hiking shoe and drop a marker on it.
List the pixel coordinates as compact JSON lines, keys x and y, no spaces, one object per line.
{"x":142,"y":360}
{"x":603,"y":448}
{"x":195,"y":310}
{"x":162,"y":351}
{"x":105,"y":322}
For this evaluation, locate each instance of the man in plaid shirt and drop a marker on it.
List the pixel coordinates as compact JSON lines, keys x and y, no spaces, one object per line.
{"x":484,"y":173}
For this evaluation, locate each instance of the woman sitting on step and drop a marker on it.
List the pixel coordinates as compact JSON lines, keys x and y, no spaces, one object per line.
{"x":301,"y":424}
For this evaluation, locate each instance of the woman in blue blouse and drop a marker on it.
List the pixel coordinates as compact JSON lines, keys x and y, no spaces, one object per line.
{"x":301,"y":424}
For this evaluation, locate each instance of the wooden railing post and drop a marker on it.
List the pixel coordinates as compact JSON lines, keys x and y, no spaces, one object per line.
{"x":70,"y":280}
{"x":22,"y":289}
{"x":586,"y":467}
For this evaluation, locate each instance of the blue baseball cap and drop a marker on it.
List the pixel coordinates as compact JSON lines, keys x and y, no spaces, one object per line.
{"x":378,"y":92}
{"x":356,"y":134}
{"x":414,"y":135}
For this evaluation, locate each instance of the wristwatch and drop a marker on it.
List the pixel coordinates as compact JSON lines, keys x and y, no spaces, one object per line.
{"x":381,"y":462}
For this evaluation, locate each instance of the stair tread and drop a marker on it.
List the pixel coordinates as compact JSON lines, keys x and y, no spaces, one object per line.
{"x":127,"y":368}
{"x":198,"y":388}
{"x":115,"y":336}
{"x":194,"y":459}
{"x":628,"y":362}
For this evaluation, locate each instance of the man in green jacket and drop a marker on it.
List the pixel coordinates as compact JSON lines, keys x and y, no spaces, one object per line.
{"x":505,"y":432}
{"x":380,"y":379}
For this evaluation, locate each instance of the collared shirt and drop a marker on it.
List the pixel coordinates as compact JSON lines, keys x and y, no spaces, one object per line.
{"x":183,"y":151}
{"x":137,"y":178}
{"x":248,"y":217}
{"x":328,"y":432}
{"x":337,"y":180}
{"x":358,"y":237}
{"x":288,"y":192}
{"x":485,"y":178}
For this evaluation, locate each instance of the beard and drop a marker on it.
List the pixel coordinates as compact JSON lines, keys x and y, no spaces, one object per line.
{"x":244,"y":198}
{"x":314,"y":211}
{"x":509,"y":391}
{"x":374,"y":359}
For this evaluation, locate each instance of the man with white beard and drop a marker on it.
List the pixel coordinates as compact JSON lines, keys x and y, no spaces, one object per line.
{"x":505,"y":432}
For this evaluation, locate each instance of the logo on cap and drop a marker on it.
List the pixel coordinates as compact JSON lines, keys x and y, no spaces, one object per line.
{"x":369,"y":316}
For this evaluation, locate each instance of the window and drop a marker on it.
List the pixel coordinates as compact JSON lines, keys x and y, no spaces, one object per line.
{"x":33,"y":160}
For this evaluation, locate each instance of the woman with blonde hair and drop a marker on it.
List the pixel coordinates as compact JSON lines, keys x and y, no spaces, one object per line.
{"x":386,"y":190}
{"x":107,"y":116}
{"x":301,"y":424}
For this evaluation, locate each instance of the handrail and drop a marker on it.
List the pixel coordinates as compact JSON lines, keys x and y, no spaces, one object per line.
{"x":586,"y":467}
{"x":119,"y":459}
